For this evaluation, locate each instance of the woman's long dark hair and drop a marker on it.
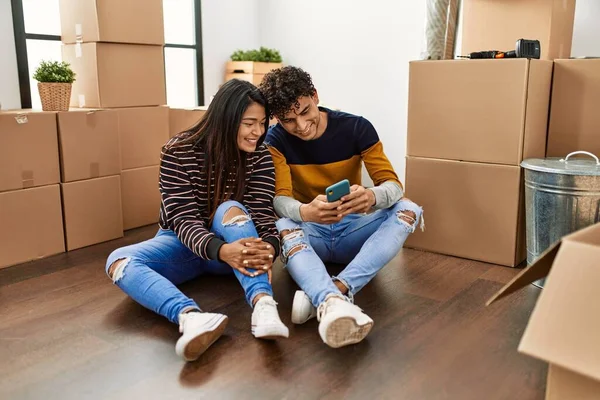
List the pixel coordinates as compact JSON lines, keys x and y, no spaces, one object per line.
{"x":216,"y":133}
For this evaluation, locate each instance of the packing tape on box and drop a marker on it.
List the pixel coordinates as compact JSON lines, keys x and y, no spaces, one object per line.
{"x":78,"y":52}
{"x":90,"y":121}
{"x":78,"y":33}
{"x":95,"y":170}
{"x":21,"y":119}
{"x":81,"y":99}
{"x":27,"y":178}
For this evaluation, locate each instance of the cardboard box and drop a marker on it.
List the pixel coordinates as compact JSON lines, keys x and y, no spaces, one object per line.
{"x":89,"y":144}
{"x":142,"y":131}
{"x":116,"y":75}
{"x":32,"y":225}
{"x":181,"y":119}
{"x":472,"y":210}
{"x":92,"y":210}
{"x":251,"y":67}
{"x":117,"y":21}
{"x":563,"y":328}
{"x":492,"y":111}
{"x":574,"y":115}
{"x":140,"y":197}
{"x":28,"y":149}
{"x":498,"y":24}
{"x":254,"y":79}
{"x":250,"y":71}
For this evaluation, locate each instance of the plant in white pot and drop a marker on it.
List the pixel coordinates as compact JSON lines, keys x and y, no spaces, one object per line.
{"x":55,"y":79}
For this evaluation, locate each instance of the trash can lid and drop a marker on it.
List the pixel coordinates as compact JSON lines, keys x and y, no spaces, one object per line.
{"x":565,"y":166}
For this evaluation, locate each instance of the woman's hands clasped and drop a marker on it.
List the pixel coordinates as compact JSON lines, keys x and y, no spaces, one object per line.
{"x":250,"y":256}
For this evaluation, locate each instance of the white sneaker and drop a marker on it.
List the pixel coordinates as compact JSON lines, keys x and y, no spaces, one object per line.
{"x":199,"y":330}
{"x":266,"y":323}
{"x":341,"y":322}
{"x":302,"y":308}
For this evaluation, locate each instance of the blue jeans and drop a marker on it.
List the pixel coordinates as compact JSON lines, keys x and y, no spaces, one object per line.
{"x":153,"y":268}
{"x":365,"y":242}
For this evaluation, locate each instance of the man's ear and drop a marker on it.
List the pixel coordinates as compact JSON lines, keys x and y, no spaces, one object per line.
{"x":315,"y":97}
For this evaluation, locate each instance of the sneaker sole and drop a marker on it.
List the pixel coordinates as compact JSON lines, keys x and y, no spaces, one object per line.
{"x":337,"y":332}
{"x":270,"y":332}
{"x":296,"y":318}
{"x":202,"y":342}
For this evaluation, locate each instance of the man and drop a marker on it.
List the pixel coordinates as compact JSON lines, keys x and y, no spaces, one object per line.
{"x":312,"y":148}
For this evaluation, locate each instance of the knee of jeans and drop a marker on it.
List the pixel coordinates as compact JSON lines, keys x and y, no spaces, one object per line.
{"x":116,"y":264}
{"x":409,"y":214}
{"x":283,"y":224}
{"x":234,"y":214}
{"x":293,"y":241}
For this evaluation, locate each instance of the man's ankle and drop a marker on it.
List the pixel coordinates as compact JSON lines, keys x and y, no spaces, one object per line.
{"x":341,"y":287}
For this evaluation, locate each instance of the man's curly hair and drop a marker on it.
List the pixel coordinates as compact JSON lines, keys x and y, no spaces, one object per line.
{"x":283,"y":87}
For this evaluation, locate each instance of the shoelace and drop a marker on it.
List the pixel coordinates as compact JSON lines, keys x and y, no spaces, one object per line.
{"x":183,"y":320}
{"x":326,"y":306}
{"x":321,"y":310}
{"x":267,"y":310}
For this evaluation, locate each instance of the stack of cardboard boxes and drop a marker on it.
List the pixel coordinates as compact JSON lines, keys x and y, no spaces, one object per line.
{"x":143,"y":131}
{"x":116,"y":50}
{"x":77,"y":178}
{"x":30,"y":201}
{"x":472,"y":122}
{"x":90,"y":181}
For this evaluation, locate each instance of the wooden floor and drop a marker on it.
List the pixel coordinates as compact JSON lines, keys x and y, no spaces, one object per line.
{"x":66,"y":332}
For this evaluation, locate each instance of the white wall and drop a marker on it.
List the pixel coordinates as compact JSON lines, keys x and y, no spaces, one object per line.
{"x":227,"y":25}
{"x":357,"y":53}
{"x":586,"y":32}
{"x":9,"y":78}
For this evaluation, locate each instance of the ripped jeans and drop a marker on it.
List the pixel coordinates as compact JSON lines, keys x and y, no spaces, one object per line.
{"x":365,"y":242}
{"x":153,"y":268}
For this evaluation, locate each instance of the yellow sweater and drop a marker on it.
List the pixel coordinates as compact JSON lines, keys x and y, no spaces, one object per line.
{"x":304,"y":169}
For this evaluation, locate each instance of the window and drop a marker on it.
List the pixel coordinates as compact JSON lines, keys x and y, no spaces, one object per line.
{"x":183,"y":53}
{"x":37,"y":37}
{"x":40,"y":19}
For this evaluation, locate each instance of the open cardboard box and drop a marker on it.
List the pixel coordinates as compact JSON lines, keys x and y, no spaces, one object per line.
{"x":564,"y":328}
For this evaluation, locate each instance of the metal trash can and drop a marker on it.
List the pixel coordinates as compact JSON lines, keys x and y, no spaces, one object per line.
{"x":561,"y":196}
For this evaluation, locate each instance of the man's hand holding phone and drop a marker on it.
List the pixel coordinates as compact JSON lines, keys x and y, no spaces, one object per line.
{"x":340,"y":200}
{"x":360,"y":200}
{"x":321,"y":211}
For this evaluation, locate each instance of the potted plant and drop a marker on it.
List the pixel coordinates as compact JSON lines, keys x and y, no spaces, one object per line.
{"x":252,"y":65}
{"x":55,"y":79}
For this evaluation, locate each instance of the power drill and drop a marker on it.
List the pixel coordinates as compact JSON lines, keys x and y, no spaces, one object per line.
{"x":524,"y":48}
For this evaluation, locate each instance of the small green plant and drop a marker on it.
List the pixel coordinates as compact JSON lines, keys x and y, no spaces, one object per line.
{"x":261,"y":55}
{"x":54,"y":71}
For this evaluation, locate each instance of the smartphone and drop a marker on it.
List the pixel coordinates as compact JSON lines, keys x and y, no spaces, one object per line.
{"x":337,"y":190}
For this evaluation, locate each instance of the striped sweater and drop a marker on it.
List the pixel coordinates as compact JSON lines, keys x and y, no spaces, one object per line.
{"x":184,"y":190}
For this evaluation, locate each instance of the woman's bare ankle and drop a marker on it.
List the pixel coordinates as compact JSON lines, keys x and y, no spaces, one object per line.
{"x":258,"y":297}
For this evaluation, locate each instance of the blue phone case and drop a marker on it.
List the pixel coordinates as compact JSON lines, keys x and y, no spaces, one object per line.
{"x":337,"y":190}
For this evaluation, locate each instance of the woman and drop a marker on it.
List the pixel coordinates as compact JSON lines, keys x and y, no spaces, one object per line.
{"x":217,"y":185}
